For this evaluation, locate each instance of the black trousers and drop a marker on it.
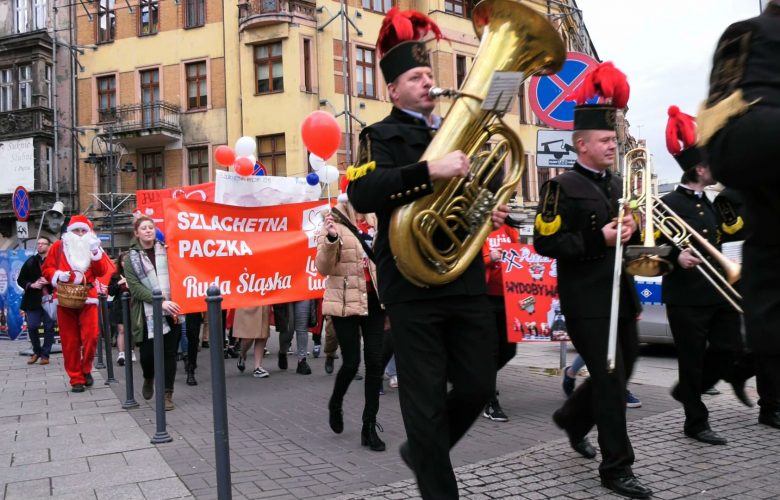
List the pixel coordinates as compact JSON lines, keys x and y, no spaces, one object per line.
{"x":436,"y":341}
{"x":601,"y":399}
{"x":708,"y":344}
{"x":505,"y":350}
{"x":170,"y":348}
{"x":193,"y":322}
{"x":761,"y":294}
{"x":349,"y":330}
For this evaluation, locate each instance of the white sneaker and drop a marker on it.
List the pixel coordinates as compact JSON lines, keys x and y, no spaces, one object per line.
{"x":394,"y":381}
{"x":260,"y":373}
{"x":134,"y":360}
{"x":120,"y":359}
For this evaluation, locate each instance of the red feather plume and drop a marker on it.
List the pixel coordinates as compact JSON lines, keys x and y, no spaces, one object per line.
{"x":680,"y":131}
{"x":401,"y":26}
{"x":604,"y":80}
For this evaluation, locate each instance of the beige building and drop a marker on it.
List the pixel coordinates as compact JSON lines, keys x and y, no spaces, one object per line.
{"x":171,"y":80}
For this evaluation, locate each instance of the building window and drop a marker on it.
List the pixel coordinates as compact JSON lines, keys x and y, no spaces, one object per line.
{"x":543,"y":174}
{"x":380,"y":6}
{"x":198,"y":162}
{"x":47,"y":164}
{"x":106,"y":87}
{"x":20,"y":7}
{"x":39,"y":14}
{"x":460,"y":69}
{"x":365,"y":69}
{"x":521,"y":105}
{"x":197,"y":90}
{"x":271,"y":154}
{"x":150,"y":95}
{"x":25,"y":86}
{"x":268,"y":68}
{"x":460,"y":8}
{"x":106,"y":25}
{"x":150,"y":17}
{"x":6,"y":90}
{"x":307,"y":85}
{"x":195,"y":14}
{"x":152,"y":170}
{"x":47,"y":75}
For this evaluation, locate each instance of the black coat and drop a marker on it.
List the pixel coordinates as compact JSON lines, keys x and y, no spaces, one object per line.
{"x":30,"y":272}
{"x":585,"y":263}
{"x":396,"y":144}
{"x":688,"y":287}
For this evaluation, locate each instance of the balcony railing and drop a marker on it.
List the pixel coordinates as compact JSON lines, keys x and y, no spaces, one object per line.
{"x":256,"y":13}
{"x":133,"y":117}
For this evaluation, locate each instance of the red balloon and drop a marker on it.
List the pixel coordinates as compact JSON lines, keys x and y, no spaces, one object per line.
{"x":244,"y":166}
{"x":224,"y":155}
{"x":321,"y":134}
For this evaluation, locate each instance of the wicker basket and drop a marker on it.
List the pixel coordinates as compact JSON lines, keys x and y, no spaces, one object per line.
{"x":72,"y":296}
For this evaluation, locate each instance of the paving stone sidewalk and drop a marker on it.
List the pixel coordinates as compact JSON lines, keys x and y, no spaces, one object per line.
{"x":55,"y":443}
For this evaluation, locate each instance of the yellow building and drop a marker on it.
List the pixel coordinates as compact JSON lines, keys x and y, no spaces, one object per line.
{"x":172,"y":79}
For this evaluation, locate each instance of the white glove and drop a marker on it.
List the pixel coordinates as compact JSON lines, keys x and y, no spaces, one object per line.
{"x":64,"y":276}
{"x":94,"y":243}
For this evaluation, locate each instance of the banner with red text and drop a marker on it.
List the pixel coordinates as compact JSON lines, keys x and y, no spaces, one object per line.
{"x":149,"y":202}
{"x":255,"y":255}
{"x":531,"y":295}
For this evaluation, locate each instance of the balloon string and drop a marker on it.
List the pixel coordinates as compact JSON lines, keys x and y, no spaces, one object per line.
{"x":329,"y":197}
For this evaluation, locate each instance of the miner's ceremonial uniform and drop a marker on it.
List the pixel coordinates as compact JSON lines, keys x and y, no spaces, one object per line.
{"x":441,"y":333}
{"x":739,"y":124}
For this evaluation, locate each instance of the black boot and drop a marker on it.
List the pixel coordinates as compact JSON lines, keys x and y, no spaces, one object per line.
{"x":336,"y":418}
{"x":369,"y":437}
{"x":191,"y":375}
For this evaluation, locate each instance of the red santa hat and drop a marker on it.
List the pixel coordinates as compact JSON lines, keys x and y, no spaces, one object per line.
{"x":79,"y":222}
{"x":343,"y":183}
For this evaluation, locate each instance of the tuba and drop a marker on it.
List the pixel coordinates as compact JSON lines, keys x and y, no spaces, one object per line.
{"x":435,"y":238}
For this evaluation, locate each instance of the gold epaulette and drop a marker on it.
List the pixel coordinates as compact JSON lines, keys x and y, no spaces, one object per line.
{"x":358,"y":172}
{"x":734,"y":227}
{"x":711,"y":119}
{"x":547,"y":228}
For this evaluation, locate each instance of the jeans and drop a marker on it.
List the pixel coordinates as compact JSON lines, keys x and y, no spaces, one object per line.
{"x":170,"y":343}
{"x":300,"y":321}
{"x":34,"y":320}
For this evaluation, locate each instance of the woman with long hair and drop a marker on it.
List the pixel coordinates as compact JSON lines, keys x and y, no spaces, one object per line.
{"x":146,"y":269}
{"x":343,"y":255}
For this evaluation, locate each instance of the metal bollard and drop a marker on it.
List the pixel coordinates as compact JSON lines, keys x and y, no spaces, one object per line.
{"x":161,"y":436}
{"x":130,"y":401}
{"x":219,"y":394}
{"x":106,"y":329}
{"x":99,"y":357}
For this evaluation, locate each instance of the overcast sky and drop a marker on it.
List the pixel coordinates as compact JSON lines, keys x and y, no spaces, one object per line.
{"x":665,"y":48}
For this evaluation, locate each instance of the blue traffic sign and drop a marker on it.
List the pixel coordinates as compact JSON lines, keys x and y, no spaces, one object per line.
{"x":21,"y":202}
{"x":548,"y":94}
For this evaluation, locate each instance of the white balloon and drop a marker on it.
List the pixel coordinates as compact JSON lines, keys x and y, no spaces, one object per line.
{"x":328,"y":174}
{"x":245,"y":146}
{"x":252,"y":158}
{"x":316,"y":162}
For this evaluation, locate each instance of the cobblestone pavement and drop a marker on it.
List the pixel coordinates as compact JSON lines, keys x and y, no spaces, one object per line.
{"x":281,"y":445}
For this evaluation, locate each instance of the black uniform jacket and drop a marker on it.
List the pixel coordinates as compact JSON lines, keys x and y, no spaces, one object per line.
{"x":585,"y":203}
{"x":28,"y":274}
{"x":688,"y":287}
{"x":396,"y":144}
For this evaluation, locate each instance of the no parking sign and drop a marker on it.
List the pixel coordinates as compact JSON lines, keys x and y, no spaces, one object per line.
{"x":548,"y":93}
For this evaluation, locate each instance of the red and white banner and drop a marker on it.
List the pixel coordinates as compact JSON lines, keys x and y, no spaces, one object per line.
{"x":149,"y":202}
{"x":531,"y":295}
{"x":255,"y":255}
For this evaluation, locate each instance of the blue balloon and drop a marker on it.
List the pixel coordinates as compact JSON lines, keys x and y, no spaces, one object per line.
{"x":312,"y":179}
{"x":159,"y":234}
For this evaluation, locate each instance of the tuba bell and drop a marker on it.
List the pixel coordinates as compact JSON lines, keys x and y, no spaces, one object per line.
{"x":435,"y":238}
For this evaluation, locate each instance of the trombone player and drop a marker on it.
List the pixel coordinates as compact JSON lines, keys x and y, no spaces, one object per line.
{"x":704,"y":325}
{"x":576,"y":223}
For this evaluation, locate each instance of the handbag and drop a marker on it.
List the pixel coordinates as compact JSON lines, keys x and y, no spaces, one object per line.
{"x":313,"y":310}
{"x":49,"y":306}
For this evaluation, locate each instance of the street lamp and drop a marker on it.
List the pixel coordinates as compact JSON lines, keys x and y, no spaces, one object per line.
{"x":111,"y":156}
{"x":55,"y":224}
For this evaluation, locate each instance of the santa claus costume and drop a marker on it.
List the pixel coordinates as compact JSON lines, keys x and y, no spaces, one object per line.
{"x":77,"y":258}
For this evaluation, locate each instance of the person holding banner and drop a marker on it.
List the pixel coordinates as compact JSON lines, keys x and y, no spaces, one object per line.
{"x":440,"y":333}
{"x":77,"y":259}
{"x":505,"y":350}
{"x":146,"y":269}
{"x":576,"y":223}
{"x":345,"y":257}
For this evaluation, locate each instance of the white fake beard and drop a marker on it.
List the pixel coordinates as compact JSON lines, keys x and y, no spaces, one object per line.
{"x":77,"y":251}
